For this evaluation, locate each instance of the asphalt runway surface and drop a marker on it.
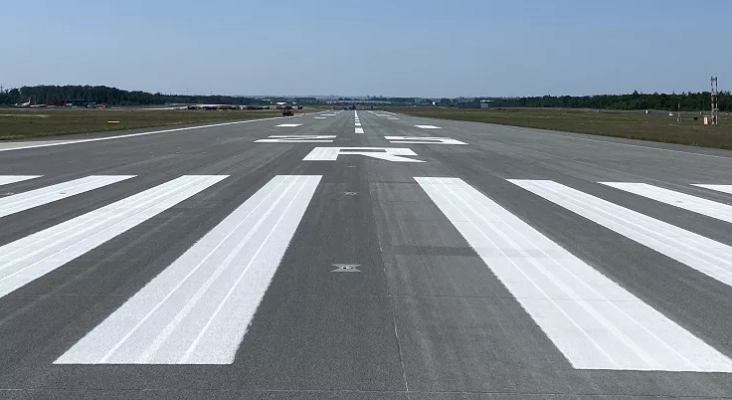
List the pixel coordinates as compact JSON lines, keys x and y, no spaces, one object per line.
{"x":364,"y":255}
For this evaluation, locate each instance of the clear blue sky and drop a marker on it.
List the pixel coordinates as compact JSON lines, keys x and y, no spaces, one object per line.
{"x":378,"y":47}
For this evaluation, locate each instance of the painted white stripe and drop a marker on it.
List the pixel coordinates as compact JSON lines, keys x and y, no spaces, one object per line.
{"x":33,"y":256}
{"x":704,"y":255}
{"x":359,"y":130}
{"x":8,"y":179}
{"x":321,"y":118}
{"x":297,"y":139}
{"x":593,"y":321}
{"x":199,"y":308}
{"x":35,"y":198}
{"x":427,"y":127}
{"x":395,"y":154}
{"x":719,"y":188}
{"x":358,"y":124}
{"x":132,"y":135}
{"x":695,"y":204}
{"x":288,"y":125}
{"x":422,"y":140}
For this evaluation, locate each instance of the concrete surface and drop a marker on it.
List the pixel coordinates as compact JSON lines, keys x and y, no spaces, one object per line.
{"x":425,"y":315}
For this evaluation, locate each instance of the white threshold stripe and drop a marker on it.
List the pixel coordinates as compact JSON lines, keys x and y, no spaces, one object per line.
{"x":722,"y":212}
{"x":198,"y":309}
{"x":132,"y":135}
{"x":8,"y":179}
{"x":698,"y":252}
{"x":718,"y":188}
{"x":359,"y":130}
{"x":593,"y":321}
{"x":35,"y":198}
{"x":35,"y":255}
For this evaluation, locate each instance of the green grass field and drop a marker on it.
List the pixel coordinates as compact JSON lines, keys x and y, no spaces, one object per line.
{"x":18,"y":124}
{"x":656,"y":126}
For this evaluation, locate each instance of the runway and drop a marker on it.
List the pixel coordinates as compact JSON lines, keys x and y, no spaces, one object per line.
{"x":365,"y":255}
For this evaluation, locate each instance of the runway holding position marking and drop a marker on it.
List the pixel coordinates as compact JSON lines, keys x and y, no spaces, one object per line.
{"x":198,"y":309}
{"x":593,"y":321}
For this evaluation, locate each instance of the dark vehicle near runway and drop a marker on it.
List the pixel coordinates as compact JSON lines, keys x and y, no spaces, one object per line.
{"x":287,"y":111}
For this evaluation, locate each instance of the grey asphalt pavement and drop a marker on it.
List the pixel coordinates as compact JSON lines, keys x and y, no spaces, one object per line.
{"x":512,"y":272}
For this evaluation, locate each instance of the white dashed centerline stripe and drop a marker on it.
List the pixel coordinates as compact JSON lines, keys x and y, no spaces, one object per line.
{"x":8,"y":179}
{"x":35,"y":198}
{"x":722,"y":212}
{"x":593,"y":321}
{"x":359,"y":130}
{"x":698,"y":252}
{"x":288,"y":125}
{"x":198,"y":309}
{"x":33,"y":256}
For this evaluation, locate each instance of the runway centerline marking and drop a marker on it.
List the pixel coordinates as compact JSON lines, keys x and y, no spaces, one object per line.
{"x":287,"y":125}
{"x":427,"y":127}
{"x":591,"y":319}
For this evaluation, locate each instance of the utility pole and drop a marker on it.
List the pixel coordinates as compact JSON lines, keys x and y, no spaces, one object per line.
{"x":715,"y":98}
{"x":678,"y":112}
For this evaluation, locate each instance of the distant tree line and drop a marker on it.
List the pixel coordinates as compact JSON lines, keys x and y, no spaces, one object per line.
{"x":80,"y":95}
{"x":635,"y":101}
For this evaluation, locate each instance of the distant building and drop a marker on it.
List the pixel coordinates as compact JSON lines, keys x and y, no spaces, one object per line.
{"x":485,"y":103}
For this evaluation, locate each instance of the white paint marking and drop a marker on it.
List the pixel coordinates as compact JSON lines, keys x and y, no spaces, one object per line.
{"x":33,"y":256}
{"x":392,"y":118}
{"x":297,"y":139}
{"x":199,"y":308}
{"x":359,"y":130}
{"x":698,"y":252}
{"x":718,"y":188}
{"x":593,"y":321}
{"x":382,"y":153}
{"x":422,"y":140}
{"x":132,"y":135}
{"x":8,"y":179}
{"x":358,"y":124}
{"x":321,"y":118}
{"x":35,"y":198}
{"x":427,"y":127}
{"x":288,"y":125}
{"x":695,"y":204}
